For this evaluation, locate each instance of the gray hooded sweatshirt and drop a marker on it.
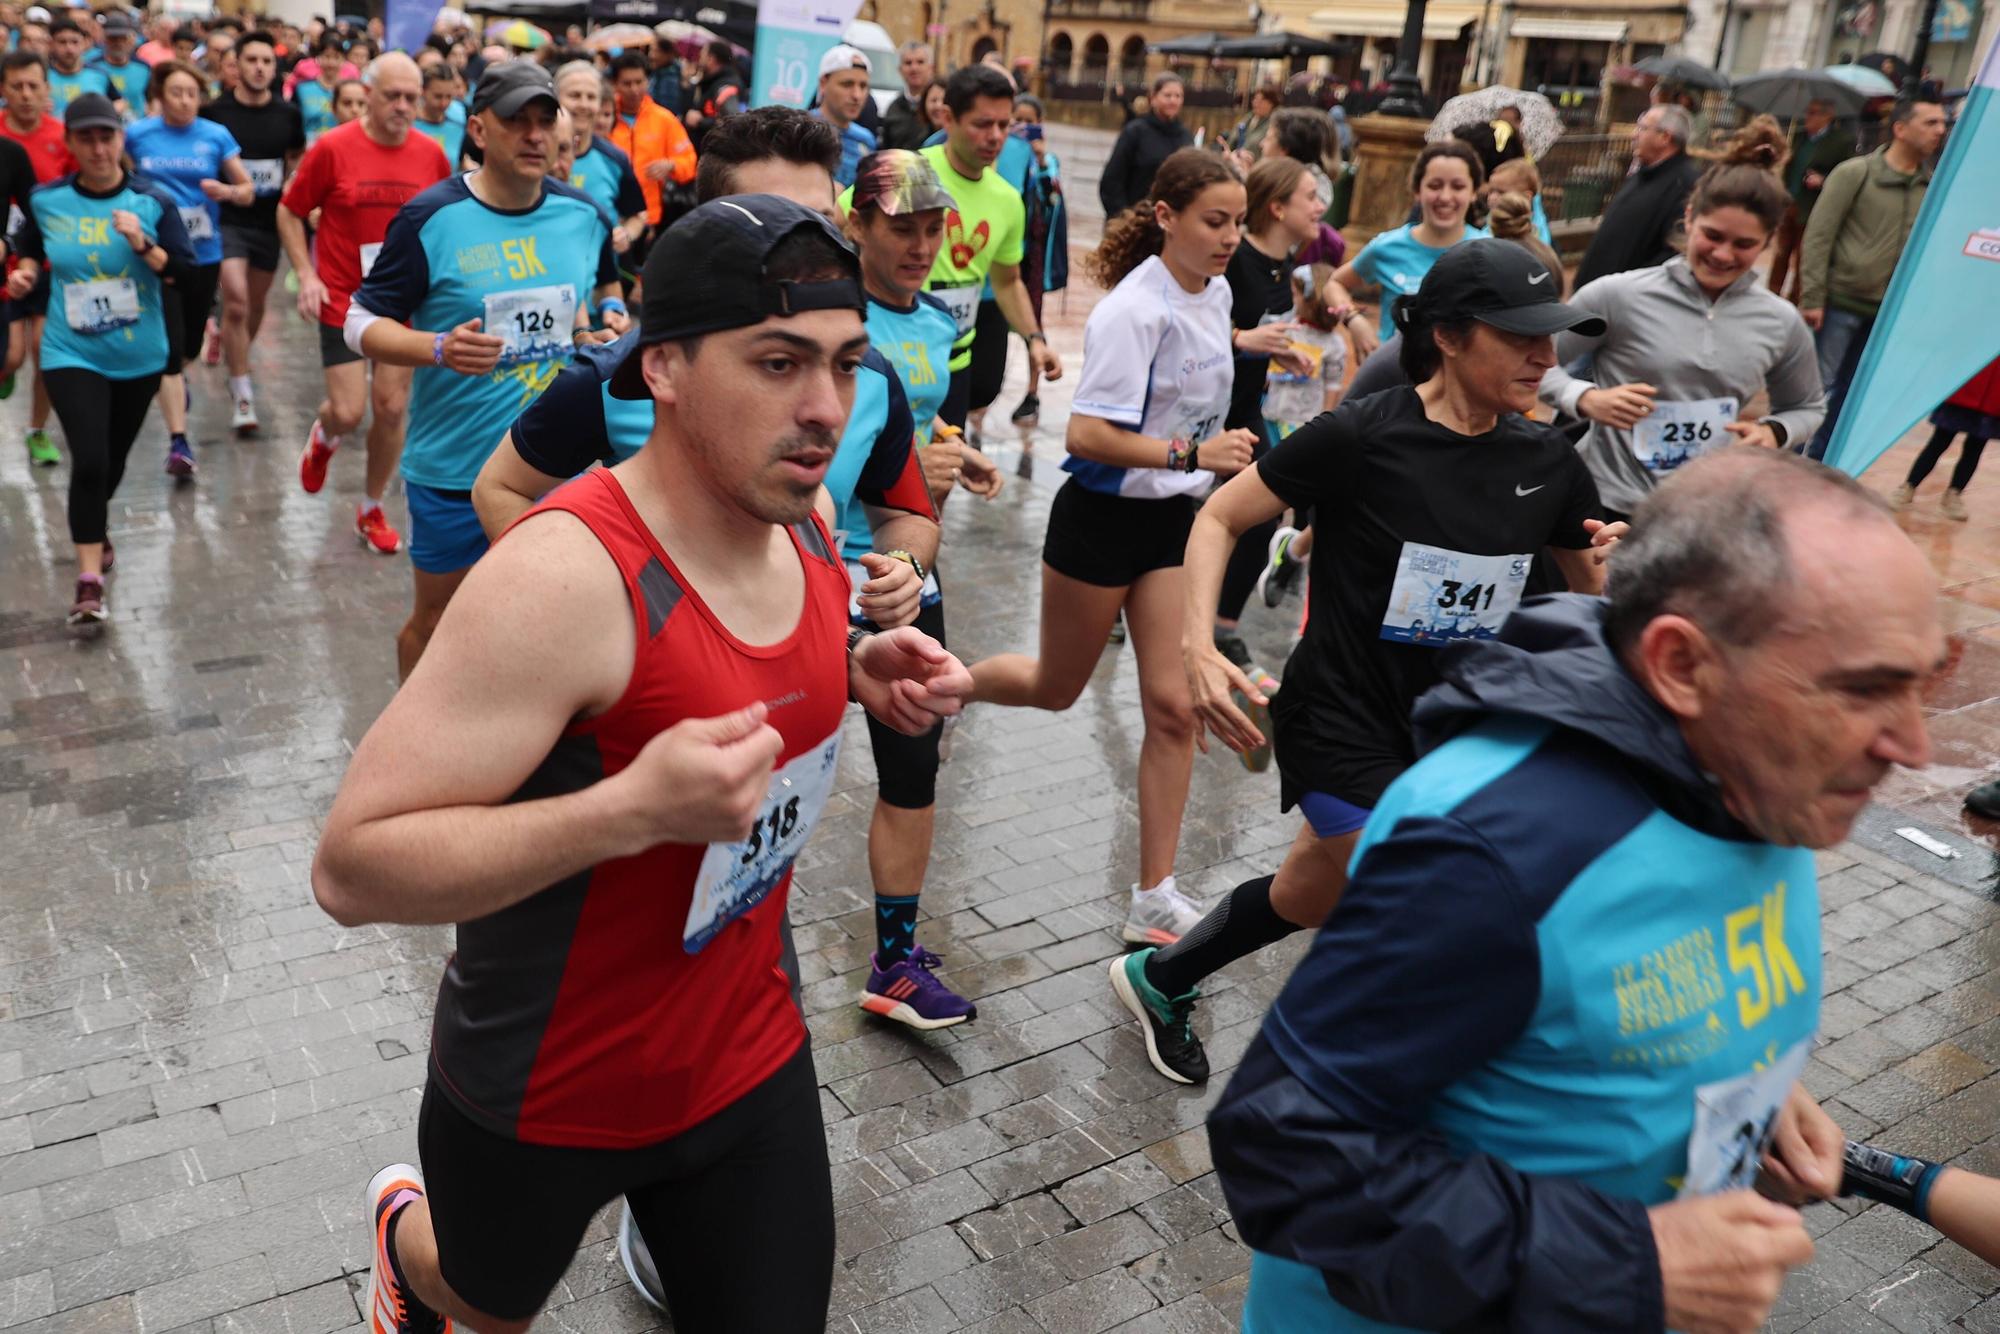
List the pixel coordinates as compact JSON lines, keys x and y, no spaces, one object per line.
{"x":1700,"y":355}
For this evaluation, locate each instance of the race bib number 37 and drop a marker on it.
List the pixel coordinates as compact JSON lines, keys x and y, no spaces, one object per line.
{"x":1440,"y":596}
{"x":736,"y":877}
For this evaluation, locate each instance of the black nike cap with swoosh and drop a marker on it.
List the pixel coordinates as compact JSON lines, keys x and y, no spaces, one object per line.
{"x":1498,"y":283}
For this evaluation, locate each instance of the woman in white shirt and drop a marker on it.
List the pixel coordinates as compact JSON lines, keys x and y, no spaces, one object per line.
{"x":1145,"y":440}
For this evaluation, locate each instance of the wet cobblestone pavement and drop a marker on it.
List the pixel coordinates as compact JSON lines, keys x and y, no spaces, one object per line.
{"x":198,"y":1070}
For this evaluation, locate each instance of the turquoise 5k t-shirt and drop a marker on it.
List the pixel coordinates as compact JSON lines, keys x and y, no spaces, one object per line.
{"x":315,"y":106}
{"x":917,"y":343}
{"x":1397,"y":262}
{"x":605,"y":174}
{"x":66,"y":88}
{"x":449,"y":258}
{"x":128,"y":81}
{"x":181,"y":158}
{"x":104,"y":302}
{"x":450,"y":136}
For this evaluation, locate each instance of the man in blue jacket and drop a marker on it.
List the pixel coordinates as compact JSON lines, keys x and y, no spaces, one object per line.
{"x":1532,"y":1065}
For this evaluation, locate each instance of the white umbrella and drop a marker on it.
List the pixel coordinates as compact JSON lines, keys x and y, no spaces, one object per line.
{"x":1541,"y":126}
{"x":1867,"y":82}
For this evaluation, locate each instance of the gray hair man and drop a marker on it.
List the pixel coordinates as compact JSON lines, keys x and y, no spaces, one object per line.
{"x":1638,"y":226}
{"x":903,"y":124}
{"x":1537,"y":1058}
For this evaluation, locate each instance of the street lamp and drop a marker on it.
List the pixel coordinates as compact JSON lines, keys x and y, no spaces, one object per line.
{"x":1913,"y":85}
{"x":1406,"y":90}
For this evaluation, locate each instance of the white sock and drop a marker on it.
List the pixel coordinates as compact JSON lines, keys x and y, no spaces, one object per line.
{"x":1168,"y":883}
{"x":239,"y":385}
{"x":367,"y":507}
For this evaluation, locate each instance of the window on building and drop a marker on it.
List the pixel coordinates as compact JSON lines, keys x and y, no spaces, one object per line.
{"x":1062,"y":55}
{"x":1096,"y":58}
{"x":1558,"y":62}
{"x":1132,"y":59}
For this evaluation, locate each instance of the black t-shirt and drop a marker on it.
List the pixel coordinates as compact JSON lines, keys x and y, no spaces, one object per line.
{"x":265,"y":134}
{"x":1422,"y":536}
{"x":17,"y":179}
{"x":1260,"y":289}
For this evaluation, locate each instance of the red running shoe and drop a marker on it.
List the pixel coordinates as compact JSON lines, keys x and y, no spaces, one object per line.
{"x":392,"y":1307}
{"x":371,"y":526}
{"x":312,"y":463}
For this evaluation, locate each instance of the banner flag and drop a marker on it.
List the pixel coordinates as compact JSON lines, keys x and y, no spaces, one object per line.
{"x":792,"y":35}
{"x":1940,"y":320}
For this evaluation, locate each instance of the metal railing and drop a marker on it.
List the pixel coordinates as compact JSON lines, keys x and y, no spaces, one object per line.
{"x":1581,"y":173}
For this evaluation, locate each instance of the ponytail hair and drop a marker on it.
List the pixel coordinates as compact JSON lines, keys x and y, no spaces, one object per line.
{"x":1135,"y":234}
{"x":1745,"y":175}
{"x":1512,"y":218}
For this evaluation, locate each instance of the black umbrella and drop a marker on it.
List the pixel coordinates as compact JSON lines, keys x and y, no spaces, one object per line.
{"x":1199,"y":44}
{"x":1683,"y":71}
{"x":1276,"y":46}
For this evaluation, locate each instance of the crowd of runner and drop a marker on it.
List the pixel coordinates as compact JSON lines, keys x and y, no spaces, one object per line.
{"x":677,"y":406}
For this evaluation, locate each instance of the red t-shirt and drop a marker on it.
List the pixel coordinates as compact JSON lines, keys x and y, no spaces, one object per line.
{"x":358,"y":185}
{"x":47,"y":149}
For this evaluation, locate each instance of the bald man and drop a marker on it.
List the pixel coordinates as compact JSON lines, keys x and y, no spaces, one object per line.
{"x":358,"y":175}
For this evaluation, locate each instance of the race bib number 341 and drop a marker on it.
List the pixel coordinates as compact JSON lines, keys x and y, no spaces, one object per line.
{"x":1440,"y":596}
{"x":736,"y":877}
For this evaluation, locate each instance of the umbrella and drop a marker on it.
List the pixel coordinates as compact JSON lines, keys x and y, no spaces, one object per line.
{"x":1200,"y":44}
{"x":1867,"y":82}
{"x":1784,"y":93}
{"x":680,"y":32}
{"x":1886,"y":63}
{"x":1540,"y":125}
{"x":517,"y":34}
{"x":618,"y":37}
{"x":1684,"y":72}
{"x":451,"y":19}
{"x":1274,"y":46}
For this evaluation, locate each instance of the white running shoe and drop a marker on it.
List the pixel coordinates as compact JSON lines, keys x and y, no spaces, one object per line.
{"x":638,"y":1262}
{"x":1161,"y":915}
{"x":243,"y":420}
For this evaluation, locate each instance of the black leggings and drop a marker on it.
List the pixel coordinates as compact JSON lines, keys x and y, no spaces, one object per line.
{"x":990,"y":340}
{"x":100,"y":420}
{"x":187,"y":305}
{"x":906,"y":767}
{"x":736,"y":1212}
{"x":1968,"y":459}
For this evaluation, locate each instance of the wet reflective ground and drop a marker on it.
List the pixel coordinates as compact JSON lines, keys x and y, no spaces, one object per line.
{"x":199,"y":1071}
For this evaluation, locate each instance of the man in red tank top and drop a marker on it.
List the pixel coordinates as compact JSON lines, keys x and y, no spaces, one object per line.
{"x":603,"y":769}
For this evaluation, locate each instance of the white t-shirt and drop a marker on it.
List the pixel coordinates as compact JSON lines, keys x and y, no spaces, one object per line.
{"x":1156,"y":360}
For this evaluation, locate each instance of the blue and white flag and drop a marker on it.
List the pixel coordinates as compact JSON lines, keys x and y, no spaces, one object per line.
{"x":406,"y":23}
{"x":792,"y":35}
{"x":1940,"y":320}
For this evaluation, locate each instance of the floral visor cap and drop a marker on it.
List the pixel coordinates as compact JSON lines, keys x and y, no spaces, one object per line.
{"x":898,"y":181}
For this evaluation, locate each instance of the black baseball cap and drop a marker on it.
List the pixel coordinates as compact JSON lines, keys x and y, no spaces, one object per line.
{"x":706,"y":273}
{"x":1498,"y":283}
{"x":92,"y":111}
{"x":508,"y":87}
{"x":118,"y":20}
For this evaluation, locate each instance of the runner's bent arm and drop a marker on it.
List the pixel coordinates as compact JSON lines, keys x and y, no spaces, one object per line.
{"x":1102,"y":441}
{"x":1798,"y":399}
{"x":423,"y":830}
{"x":1239,"y":505}
{"x":507,"y":487}
{"x":1559,"y":389}
{"x":292,"y":235}
{"x":1010,"y":293}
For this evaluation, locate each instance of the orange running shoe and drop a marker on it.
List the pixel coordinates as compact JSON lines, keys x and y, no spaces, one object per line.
{"x":392,"y":1307}
{"x":371,"y":526}
{"x":312,"y":463}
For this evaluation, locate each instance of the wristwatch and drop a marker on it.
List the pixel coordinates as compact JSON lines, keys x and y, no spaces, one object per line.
{"x":911,"y":561}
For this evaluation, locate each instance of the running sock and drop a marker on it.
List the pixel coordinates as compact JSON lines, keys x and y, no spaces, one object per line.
{"x":239,"y":386}
{"x":1890,"y":1178}
{"x":1243,"y":923}
{"x":91,"y":578}
{"x":895,"y":928}
{"x":366,"y":508}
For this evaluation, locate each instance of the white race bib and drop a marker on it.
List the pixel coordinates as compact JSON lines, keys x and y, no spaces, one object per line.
{"x":963,"y":303}
{"x":736,"y":877}
{"x":1676,"y":430}
{"x":1440,"y":596}
{"x":14,"y":218}
{"x":535,"y":323}
{"x":267,"y":174}
{"x":101,"y":305}
{"x":197,"y":223}
{"x":1733,"y":1121}
{"x":369,"y":253}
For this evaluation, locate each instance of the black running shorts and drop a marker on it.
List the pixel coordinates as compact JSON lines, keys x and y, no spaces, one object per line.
{"x":736,"y":1212}
{"x":1110,"y":541}
{"x":906,"y":767}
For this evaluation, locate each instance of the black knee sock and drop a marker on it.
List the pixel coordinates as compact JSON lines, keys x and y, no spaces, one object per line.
{"x":1243,"y":923}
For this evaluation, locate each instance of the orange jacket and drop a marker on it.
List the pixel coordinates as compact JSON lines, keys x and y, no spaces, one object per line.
{"x":655,"y":134}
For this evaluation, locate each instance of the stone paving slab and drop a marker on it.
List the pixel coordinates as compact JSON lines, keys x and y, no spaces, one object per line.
{"x":198,"y":1071}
